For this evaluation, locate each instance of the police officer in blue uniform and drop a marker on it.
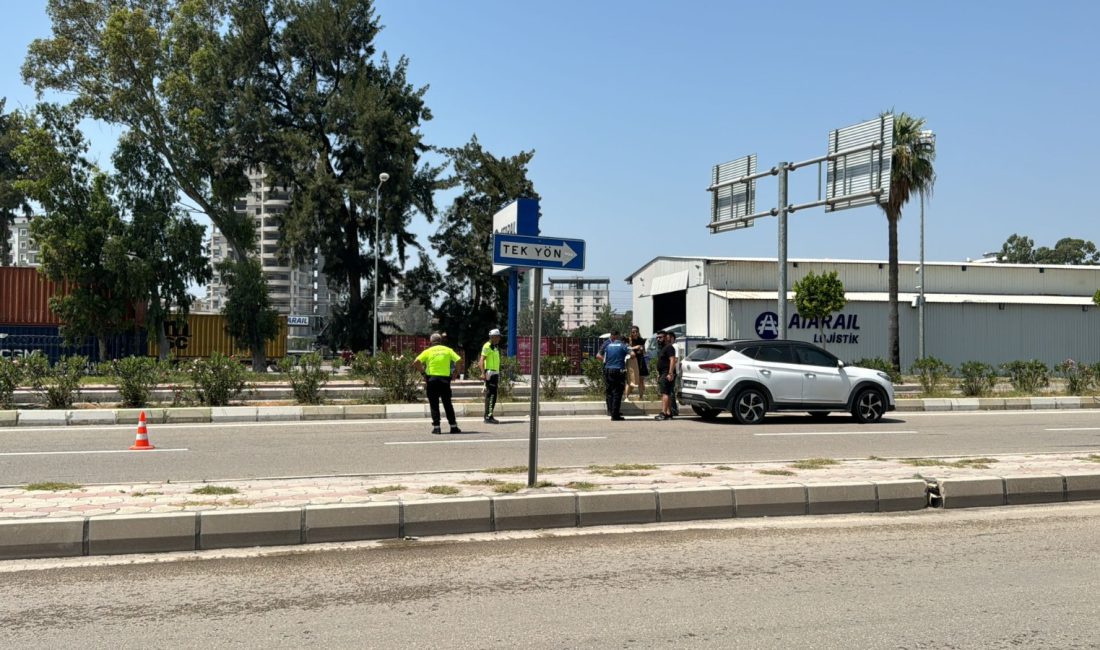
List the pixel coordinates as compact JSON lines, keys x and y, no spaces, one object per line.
{"x":614,"y":356}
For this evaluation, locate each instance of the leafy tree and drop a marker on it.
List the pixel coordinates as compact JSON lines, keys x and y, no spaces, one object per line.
{"x":912,"y":171}
{"x":12,"y":200}
{"x":334,"y":118}
{"x":165,"y":238}
{"x":81,"y":233}
{"x":168,"y":71}
{"x":606,"y":321}
{"x":551,"y":320}
{"x":1021,"y":250}
{"x":818,"y":296}
{"x":1096,"y":298}
{"x":472,"y":297}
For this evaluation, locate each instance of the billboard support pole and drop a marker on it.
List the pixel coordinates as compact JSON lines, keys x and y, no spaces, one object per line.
{"x":783,"y":203}
{"x":536,"y":353}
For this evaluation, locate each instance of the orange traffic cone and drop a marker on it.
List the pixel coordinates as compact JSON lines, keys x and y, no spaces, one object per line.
{"x":142,"y":441}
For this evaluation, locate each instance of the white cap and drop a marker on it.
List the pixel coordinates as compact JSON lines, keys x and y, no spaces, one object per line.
{"x":494,"y":332}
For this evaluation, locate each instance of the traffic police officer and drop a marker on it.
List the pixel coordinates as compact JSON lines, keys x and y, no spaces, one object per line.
{"x":489,"y":362}
{"x":614,"y":356}
{"x":439,"y":363}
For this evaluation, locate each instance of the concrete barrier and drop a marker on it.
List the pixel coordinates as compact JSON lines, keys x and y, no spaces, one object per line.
{"x":991,"y":403}
{"x":1034,"y":489}
{"x":279,"y":414}
{"x":1018,"y":403}
{"x":902,"y":495}
{"x":840,"y":498}
{"x":233,"y":414}
{"x":909,"y":405}
{"x":447,"y":516}
{"x":365,"y":412}
{"x":323,"y":412}
{"x":236,"y":528}
{"x":965,"y":404}
{"x":1082,"y":487}
{"x":557,"y":408}
{"x":1043,"y":403}
{"x":187,"y":415}
{"x":91,"y":416}
{"x":1071,"y":402}
{"x":45,"y":418}
{"x":621,"y":507}
{"x":41,"y":538}
{"x":407,"y":410}
{"x":938,"y":404}
{"x":9,"y":418}
{"x":346,"y":523}
{"x":131,"y":416}
{"x":152,"y":533}
{"x":770,"y":500}
{"x":972,"y":492}
{"x":685,"y":504}
{"x":525,"y":512}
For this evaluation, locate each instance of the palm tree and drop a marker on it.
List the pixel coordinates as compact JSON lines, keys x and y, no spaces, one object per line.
{"x":911,"y":171}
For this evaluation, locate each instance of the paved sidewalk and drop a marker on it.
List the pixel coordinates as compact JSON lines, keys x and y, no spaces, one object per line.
{"x":154,"y":498}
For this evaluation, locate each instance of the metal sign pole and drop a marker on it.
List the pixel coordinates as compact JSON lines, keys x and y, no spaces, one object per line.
{"x":536,"y":353}
{"x":782,"y":311}
{"x":923,"y":282}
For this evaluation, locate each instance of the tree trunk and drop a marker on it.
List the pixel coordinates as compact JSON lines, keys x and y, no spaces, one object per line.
{"x":894,"y":341}
{"x":158,"y":324}
{"x":259,"y":360}
{"x":102,"y":339}
{"x":256,"y":347}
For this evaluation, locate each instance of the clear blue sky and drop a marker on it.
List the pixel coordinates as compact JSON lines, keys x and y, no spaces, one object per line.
{"x":629,"y":104}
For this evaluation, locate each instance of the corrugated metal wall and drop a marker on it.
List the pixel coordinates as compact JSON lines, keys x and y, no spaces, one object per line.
{"x":205,"y":334}
{"x":698,"y":303}
{"x":24,"y":297}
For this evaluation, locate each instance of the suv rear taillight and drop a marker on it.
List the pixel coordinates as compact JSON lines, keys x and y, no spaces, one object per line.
{"x":715,"y":367}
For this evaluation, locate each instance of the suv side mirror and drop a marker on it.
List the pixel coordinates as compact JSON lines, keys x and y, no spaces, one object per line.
{"x":839,"y":363}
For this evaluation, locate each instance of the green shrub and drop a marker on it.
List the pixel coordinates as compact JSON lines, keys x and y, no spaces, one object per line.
{"x":136,"y":377}
{"x":1080,"y":377}
{"x":337,"y":364}
{"x":11,"y":374}
{"x":1027,"y":376}
{"x":218,"y":379}
{"x":880,"y":364}
{"x":509,"y":375}
{"x":977,"y":378}
{"x":393,"y":373}
{"x":592,"y":376}
{"x":552,"y":370}
{"x":306,"y":378}
{"x":60,"y":383}
{"x":473,"y":371}
{"x":930,"y":371}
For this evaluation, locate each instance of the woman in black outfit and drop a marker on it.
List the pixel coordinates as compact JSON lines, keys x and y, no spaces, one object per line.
{"x":636,"y":369}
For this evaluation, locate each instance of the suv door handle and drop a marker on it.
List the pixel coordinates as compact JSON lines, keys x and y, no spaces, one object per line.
{"x":811,"y":375}
{"x":766,"y":372}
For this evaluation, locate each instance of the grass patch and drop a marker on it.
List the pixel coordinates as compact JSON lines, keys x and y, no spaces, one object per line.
{"x":1093,"y":458}
{"x":51,"y":486}
{"x":695,"y":474}
{"x":621,"y":469}
{"x":582,"y":485}
{"x":875,"y":458}
{"x":215,"y":490}
{"x":814,"y":463}
{"x":382,"y":489}
{"x":147,"y":494}
{"x":775,"y":472}
{"x":518,"y":469}
{"x":962,"y":463}
{"x":484,"y":481}
{"x":724,"y":468}
{"x":509,"y":488}
{"x":544,"y":484}
{"x":443,"y":489}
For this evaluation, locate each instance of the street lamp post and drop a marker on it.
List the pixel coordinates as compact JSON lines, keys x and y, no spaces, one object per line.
{"x":382,"y":178}
{"x":926,"y":139}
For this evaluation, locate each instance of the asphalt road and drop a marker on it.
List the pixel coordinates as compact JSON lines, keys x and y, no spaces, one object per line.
{"x":1000,"y":578}
{"x":228,"y":451}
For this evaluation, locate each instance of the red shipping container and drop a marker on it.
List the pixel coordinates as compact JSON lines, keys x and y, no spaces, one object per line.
{"x":25,"y":298}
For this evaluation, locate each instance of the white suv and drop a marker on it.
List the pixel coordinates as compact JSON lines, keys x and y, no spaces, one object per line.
{"x":751,"y":378}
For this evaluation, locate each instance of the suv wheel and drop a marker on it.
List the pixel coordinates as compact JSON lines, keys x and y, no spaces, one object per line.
{"x":704,"y":412}
{"x":749,"y":406}
{"x":869,"y":406}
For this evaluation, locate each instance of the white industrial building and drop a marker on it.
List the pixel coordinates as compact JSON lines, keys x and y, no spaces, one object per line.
{"x":992,"y":313}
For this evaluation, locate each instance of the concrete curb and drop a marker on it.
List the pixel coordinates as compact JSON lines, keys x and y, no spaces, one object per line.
{"x":189,"y":531}
{"x":190,"y":415}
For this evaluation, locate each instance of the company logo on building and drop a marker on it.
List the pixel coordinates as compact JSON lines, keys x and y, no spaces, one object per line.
{"x":767,"y":325}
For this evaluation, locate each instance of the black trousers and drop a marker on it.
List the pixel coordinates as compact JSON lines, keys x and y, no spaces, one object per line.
{"x":491,"y":386}
{"x":615,"y":382}
{"x":439,"y":388}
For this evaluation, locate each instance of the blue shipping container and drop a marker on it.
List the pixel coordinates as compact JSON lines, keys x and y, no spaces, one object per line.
{"x":25,"y":340}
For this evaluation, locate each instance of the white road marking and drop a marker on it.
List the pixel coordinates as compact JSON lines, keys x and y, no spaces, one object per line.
{"x":1075,"y":429}
{"x":832,"y":433}
{"x":106,"y":451}
{"x":461,"y":442}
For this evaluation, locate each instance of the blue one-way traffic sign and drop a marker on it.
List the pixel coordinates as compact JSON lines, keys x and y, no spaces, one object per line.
{"x":538,"y":252}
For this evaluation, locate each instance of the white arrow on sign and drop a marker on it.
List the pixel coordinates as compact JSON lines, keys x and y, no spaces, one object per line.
{"x":563,"y":253}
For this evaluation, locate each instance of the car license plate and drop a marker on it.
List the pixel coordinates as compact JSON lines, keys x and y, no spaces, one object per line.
{"x":689,"y":383}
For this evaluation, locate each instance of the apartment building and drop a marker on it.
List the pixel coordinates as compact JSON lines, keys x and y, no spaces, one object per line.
{"x":24,"y":252}
{"x":293,"y":289}
{"x":582,"y":299}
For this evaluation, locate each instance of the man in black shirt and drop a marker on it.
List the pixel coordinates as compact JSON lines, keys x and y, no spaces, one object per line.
{"x":666,"y":374}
